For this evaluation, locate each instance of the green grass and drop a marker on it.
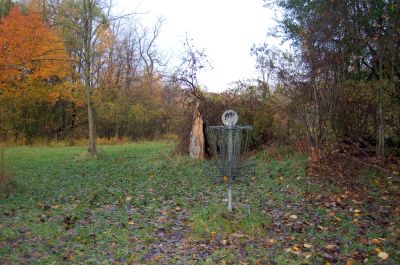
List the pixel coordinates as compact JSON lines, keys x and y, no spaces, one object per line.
{"x":140,"y":203}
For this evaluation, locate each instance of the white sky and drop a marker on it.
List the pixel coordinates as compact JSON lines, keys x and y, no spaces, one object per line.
{"x":225,"y":28}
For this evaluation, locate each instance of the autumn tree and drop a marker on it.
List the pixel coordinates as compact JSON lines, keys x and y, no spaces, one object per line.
{"x":33,"y":65}
{"x":85,"y":22}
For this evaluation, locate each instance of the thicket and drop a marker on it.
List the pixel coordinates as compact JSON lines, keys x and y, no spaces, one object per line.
{"x":342,"y":76}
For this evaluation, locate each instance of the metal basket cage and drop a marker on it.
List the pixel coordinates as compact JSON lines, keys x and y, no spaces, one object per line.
{"x":227,"y":145}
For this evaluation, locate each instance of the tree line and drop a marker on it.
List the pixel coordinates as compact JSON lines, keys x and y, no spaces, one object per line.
{"x":71,"y":69}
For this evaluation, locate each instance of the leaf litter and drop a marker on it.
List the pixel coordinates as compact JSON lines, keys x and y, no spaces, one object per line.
{"x":328,"y":212}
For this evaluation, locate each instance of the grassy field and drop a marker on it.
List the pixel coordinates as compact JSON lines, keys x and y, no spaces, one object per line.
{"x":140,"y":204}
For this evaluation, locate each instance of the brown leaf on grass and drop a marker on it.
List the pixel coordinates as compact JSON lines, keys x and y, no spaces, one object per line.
{"x":383,"y":255}
{"x":295,"y":248}
{"x":164,"y":212}
{"x":268,"y":243}
{"x":162,"y":219}
{"x":375,"y":241}
{"x":331,"y":247}
{"x":237,"y":234}
{"x":306,"y":245}
{"x":224,"y":242}
{"x":212,"y":235}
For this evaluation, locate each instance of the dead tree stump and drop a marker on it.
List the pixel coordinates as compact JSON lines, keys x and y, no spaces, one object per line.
{"x":197,"y":139}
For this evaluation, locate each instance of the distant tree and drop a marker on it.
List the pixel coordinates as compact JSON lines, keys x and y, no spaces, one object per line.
{"x":85,"y":22}
{"x":266,"y":58}
{"x":192,"y":61}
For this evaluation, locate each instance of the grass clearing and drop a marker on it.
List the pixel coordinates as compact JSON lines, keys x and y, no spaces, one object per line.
{"x":139,"y":203}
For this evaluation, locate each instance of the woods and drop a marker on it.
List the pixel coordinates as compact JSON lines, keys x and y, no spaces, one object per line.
{"x":53,"y":83}
{"x":340,"y":80}
{"x":345,"y":69}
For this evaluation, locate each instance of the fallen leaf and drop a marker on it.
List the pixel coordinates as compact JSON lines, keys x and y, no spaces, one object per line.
{"x":350,"y":262}
{"x":225,"y":179}
{"x":178,"y":209}
{"x":331,"y":214}
{"x":375,"y":241}
{"x":212,"y":235}
{"x":306,"y":245}
{"x":293,"y":216}
{"x":337,"y":219}
{"x":383,"y":255}
{"x":162,"y":219}
{"x":331,"y":246}
{"x":238,"y":234}
{"x":164,"y":212}
{"x":295,"y":248}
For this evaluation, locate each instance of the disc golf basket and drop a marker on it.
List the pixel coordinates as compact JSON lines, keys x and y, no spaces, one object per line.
{"x":228,"y":145}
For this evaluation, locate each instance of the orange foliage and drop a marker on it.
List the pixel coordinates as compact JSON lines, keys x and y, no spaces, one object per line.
{"x":29,"y":48}
{"x":31,"y":55}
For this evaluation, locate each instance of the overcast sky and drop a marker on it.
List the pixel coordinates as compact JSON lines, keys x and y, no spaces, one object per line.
{"x":225,"y":28}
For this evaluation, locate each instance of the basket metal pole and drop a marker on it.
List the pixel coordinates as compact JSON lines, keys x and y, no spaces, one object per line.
{"x":230,"y":165}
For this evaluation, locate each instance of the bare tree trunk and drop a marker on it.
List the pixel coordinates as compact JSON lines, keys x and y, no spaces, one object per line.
{"x":318,"y":134}
{"x":307,"y":126}
{"x":88,"y":74}
{"x":117,"y":131}
{"x":92,"y":133}
{"x":381,"y":136}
